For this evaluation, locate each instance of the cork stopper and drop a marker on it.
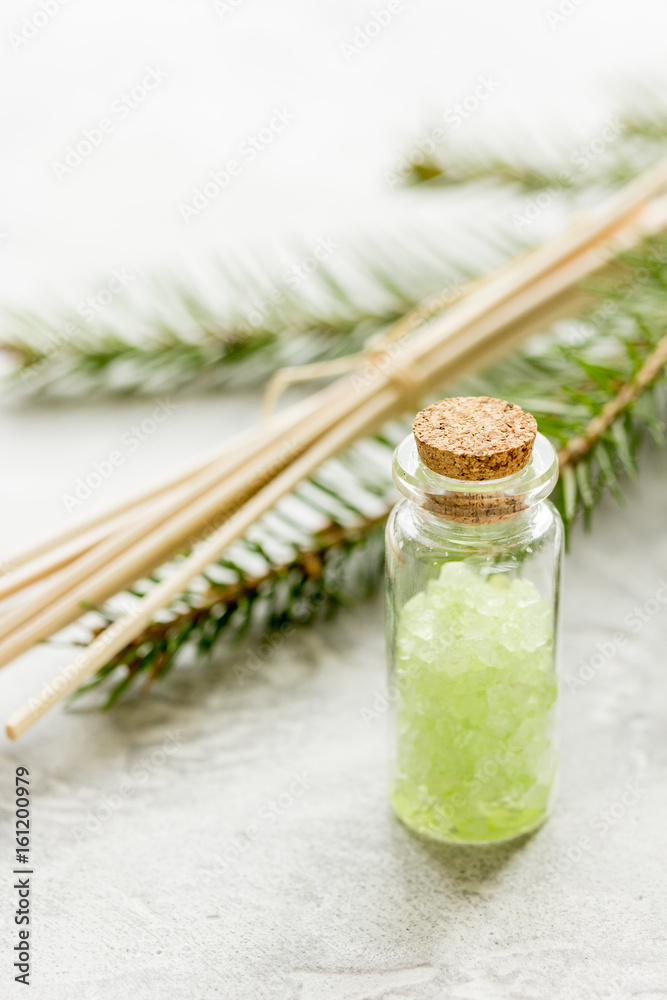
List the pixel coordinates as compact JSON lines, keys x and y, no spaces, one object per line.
{"x":474,"y":437}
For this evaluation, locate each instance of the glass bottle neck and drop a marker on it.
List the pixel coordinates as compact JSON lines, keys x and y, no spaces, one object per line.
{"x":476,"y":505}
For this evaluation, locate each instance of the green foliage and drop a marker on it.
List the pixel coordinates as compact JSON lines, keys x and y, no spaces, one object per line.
{"x":322,"y":547}
{"x":609,"y":157}
{"x":319,"y":549}
{"x":283,"y":573}
{"x":263,"y":325}
{"x":240,"y":334}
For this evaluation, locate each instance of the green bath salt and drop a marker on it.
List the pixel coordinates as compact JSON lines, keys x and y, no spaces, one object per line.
{"x":475,"y":747}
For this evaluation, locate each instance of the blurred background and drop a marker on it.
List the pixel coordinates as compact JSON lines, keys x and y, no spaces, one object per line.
{"x":223,"y":69}
{"x":166,"y":93}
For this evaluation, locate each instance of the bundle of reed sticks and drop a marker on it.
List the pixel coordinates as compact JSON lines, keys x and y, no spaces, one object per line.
{"x":212,"y":503}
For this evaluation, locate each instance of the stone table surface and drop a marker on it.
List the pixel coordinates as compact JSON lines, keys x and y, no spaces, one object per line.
{"x":233,"y":840}
{"x":220,"y":838}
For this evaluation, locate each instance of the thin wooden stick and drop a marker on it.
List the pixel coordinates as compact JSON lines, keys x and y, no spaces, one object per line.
{"x":113,"y":639}
{"x":630,"y":199}
{"x":38,"y":569}
{"x":579,"y":446}
{"x":121,"y":561}
{"x":105,"y":521}
{"x":542,"y":276}
{"x":423,"y":311}
{"x":379,"y":406}
{"x":100,"y":523}
{"x":526,"y":311}
{"x":621,"y":208}
{"x":79,"y":570}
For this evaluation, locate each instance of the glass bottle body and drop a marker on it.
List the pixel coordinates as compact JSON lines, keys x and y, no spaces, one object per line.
{"x":471,"y":639}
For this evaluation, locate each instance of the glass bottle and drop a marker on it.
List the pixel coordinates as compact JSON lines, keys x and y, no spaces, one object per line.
{"x":473,"y":569}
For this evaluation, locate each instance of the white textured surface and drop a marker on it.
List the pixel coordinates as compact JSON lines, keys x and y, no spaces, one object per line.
{"x":163,"y":894}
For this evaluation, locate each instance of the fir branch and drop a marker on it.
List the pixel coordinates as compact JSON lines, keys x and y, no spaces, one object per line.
{"x":597,"y":394}
{"x":193,"y":341}
{"x":477,"y":166}
{"x":261,"y":326}
{"x":579,"y":447}
{"x":642,"y":138}
{"x":312,"y":585}
{"x":605,"y":392}
{"x":283,"y":573}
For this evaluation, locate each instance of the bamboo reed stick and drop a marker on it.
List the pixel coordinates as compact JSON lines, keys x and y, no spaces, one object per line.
{"x":43,"y":566}
{"x":656,"y":221}
{"x":381,"y":405}
{"x":479,"y":321}
{"x":119,"y":561}
{"x":113,"y":639}
{"x":101,"y":554}
{"x":105,"y":521}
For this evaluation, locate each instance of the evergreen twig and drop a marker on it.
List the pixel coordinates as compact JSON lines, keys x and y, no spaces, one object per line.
{"x":641,"y":136}
{"x":596,"y":400}
{"x":331,"y":314}
{"x":596,"y":388}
